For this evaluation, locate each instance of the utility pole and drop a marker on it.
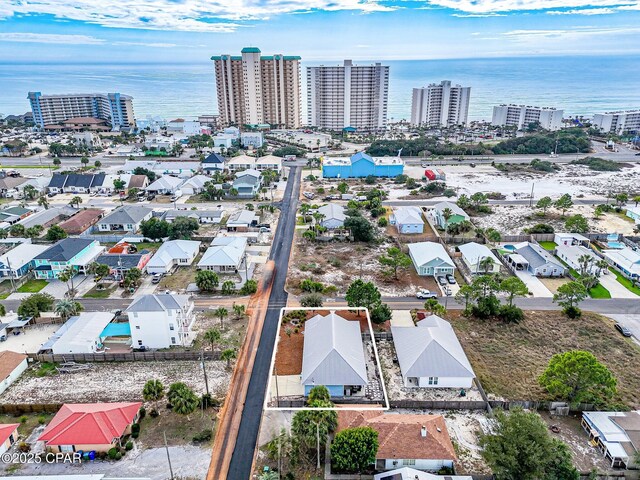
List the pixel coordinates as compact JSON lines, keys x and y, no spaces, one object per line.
{"x":204,"y":370}
{"x":275,"y":374}
{"x":318,"y":444}
{"x":13,"y":286}
{"x":166,"y":447}
{"x":531,"y":197}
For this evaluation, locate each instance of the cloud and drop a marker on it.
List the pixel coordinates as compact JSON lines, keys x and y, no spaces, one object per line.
{"x":503,"y":6}
{"x":568,"y":34}
{"x":24,"y":37}
{"x":152,"y":45}
{"x":182,"y":15}
{"x":585,"y":11}
{"x":478,"y":15}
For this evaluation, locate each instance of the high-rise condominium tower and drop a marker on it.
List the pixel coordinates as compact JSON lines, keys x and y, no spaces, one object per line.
{"x":114,"y":108}
{"x":254,"y":89}
{"x":440,"y":105}
{"x":348,"y":96}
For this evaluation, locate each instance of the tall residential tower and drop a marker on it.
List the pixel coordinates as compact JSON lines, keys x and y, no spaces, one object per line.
{"x":348,"y":96}
{"x":521,"y":116}
{"x":254,"y":89}
{"x":440,"y":105}
{"x":114,"y":108}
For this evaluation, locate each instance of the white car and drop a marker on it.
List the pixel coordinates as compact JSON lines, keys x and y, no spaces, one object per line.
{"x":425,"y":294}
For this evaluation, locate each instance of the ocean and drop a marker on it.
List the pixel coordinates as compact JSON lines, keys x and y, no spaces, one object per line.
{"x":581,"y":85}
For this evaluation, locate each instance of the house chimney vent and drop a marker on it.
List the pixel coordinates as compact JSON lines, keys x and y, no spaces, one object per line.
{"x":423,"y":431}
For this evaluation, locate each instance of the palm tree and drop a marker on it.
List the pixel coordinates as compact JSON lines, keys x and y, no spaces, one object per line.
{"x":184,"y":401}
{"x":318,"y":217}
{"x":221,"y":312}
{"x":447,"y":213}
{"x":228,"y":355}
{"x":66,"y":307}
{"x":485,"y":265}
{"x":584,"y":261}
{"x":67,"y":276}
{"x":601,"y":265}
{"x":30,"y":192}
{"x":153,"y":390}
{"x":75,"y":201}
{"x":43,"y":202}
{"x":213,"y":336}
{"x":239,"y":310}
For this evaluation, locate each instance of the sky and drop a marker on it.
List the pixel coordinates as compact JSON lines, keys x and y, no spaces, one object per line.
{"x":190,"y":31}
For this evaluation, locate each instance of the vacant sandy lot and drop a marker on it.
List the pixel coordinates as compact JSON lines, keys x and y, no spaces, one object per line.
{"x":115,"y":382}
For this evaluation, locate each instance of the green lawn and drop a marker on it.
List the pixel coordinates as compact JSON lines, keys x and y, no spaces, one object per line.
{"x":625,"y":282}
{"x":599,"y":292}
{"x":548,"y":245}
{"x":95,"y":293}
{"x":32,"y":286}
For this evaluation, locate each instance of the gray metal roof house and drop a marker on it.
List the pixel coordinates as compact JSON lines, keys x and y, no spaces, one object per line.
{"x":431,"y":356}
{"x":333,"y":355}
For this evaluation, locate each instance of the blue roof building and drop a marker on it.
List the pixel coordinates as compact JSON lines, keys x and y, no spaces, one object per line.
{"x":362,"y":165}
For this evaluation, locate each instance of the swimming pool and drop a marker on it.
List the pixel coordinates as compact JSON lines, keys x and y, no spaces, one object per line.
{"x":616,"y":245}
{"x":511,"y":248}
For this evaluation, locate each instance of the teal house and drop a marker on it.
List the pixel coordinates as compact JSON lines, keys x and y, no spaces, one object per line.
{"x":361,"y":165}
{"x":78,"y":253}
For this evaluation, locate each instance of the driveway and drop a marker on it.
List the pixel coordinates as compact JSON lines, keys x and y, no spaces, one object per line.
{"x":401,"y":318}
{"x":616,"y":289}
{"x":535,"y":286}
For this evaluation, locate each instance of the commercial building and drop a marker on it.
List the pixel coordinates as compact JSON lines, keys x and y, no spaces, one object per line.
{"x":114,"y":108}
{"x":617,"y":122}
{"x":253,"y":89}
{"x":361,"y":165}
{"x":348,"y":96}
{"x":523,"y":115}
{"x":440,"y":105}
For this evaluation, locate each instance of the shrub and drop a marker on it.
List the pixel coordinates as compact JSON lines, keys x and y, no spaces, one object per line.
{"x":135,"y":428}
{"x":572,"y":312}
{"x":250,"y":287}
{"x":118,"y":456}
{"x":154,"y":413}
{"x":112,"y":453}
{"x":511,"y":314}
{"x":486,"y":307}
{"x":128,"y":445}
{"x":135,"y":434}
{"x":42,"y":420}
{"x":143,"y":412}
{"x":383,"y":222}
{"x":203,"y":436}
{"x":540,"y":228}
{"x":23,"y":419}
{"x":24,"y":447}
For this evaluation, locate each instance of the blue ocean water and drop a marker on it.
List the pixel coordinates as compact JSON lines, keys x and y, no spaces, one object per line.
{"x":581,"y":85}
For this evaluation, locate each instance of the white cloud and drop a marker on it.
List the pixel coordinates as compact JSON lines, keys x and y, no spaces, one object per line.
{"x":478,"y":15}
{"x":144,"y":44}
{"x":183,"y":15}
{"x":24,"y":37}
{"x":585,"y":11}
{"x":489,"y":6}
{"x":568,"y":34}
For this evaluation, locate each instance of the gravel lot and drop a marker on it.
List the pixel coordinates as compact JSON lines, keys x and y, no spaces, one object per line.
{"x":115,"y":382}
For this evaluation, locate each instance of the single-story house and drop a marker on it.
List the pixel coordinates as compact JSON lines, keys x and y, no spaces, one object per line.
{"x":430,"y":258}
{"x":408,"y":473}
{"x":81,"y":334}
{"x":456,"y":214}
{"x":633,"y":212}
{"x":125,"y":219}
{"x":8,"y":436}
{"x":19,"y":261}
{"x":536,"y":260}
{"x":213,"y":163}
{"x":416,"y":440}
{"x":408,"y":220}
{"x":119,"y":264}
{"x":430,"y":355}
{"x":332,"y":216}
{"x":570,"y":239}
{"x":173,"y":253}
{"x":161,"y":321}
{"x":247,"y":183}
{"x":195,"y":185}
{"x":165,"y":185}
{"x":361,"y":165}
{"x":226,"y":254}
{"x":616,"y":435}
{"x":571,"y":254}
{"x":48,"y":216}
{"x":13,"y":215}
{"x":90,"y":426}
{"x":138,"y":181}
{"x":9,"y":185}
{"x":333,"y":356}
{"x":81,"y":221}
{"x":78,"y":253}
{"x":473,"y":256}
{"x":241,"y":220}
{"x":12,"y":365}
{"x":625,"y":260}
{"x":76,"y":182}
{"x":202,"y":216}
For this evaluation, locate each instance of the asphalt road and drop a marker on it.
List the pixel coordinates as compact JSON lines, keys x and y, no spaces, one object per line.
{"x":526,"y":201}
{"x":242,"y":459}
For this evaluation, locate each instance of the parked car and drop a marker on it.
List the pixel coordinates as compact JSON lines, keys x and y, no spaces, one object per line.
{"x":51,"y":194}
{"x":309,"y":195}
{"x":451,"y":279}
{"x":156,"y":278}
{"x":623,"y":330}
{"x":423,"y":294}
{"x":441,"y":280}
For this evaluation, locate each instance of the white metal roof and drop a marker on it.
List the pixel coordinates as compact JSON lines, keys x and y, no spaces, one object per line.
{"x":476,"y":252}
{"x":408,"y":215}
{"x":425,"y":252}
{"x":224,"y":251}
{"x":85,"y":330}
{"x":173,"y":250}
{"x":625,"y":257}
{"x":22,"y":254}
{"x":333,"y":353}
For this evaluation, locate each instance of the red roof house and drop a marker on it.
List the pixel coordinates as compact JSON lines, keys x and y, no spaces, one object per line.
{"x":90,"y":426}
{"x":8,"y":435}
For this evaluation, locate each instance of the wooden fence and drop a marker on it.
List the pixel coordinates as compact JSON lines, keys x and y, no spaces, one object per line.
{"x":124,"y":357}
{"x":18,"y":409}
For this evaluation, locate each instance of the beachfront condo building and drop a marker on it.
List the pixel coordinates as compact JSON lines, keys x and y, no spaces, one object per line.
{"x":440,"y":105}
{"x":254,"y":89}
{"x":522,"y":116}
{"x":348,"y":96}
{"x":617,"y":122}
{"x":114,"y":108}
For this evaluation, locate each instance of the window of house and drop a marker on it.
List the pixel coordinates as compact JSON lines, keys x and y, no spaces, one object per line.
{"x":171,"y":327}
{"x":433,"y":380}
{"x":139,"y":342}
{"x":173,"y":339}
{"x":409,"y":461}
{"x":137,"y":327}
